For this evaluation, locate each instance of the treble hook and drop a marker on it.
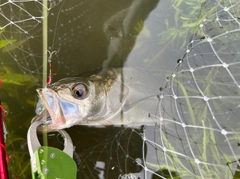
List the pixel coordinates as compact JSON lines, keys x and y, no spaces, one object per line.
{"x":49,"y":79}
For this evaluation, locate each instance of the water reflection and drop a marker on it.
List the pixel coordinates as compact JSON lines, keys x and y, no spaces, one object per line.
{"x":121,"y":30}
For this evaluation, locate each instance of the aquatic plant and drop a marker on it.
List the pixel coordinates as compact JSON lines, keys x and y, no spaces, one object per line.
{"x":13,"y":91}
{"x":188,"y":15}
{"x":4,"y":42}
{"x":14,"y":82}
{"x":9,"y":77}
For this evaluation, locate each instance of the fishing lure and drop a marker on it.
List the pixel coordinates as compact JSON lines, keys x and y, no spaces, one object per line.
{"x":50,"y":76}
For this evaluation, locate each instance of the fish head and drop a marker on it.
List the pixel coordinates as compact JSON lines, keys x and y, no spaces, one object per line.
{"x":71,"y":100}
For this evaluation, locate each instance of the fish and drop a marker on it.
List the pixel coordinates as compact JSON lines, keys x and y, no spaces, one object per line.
{"x":112,"y":96}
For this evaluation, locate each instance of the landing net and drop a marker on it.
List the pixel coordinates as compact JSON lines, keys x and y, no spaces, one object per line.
{"x":196,"y":131}
{"x":197,"y":135}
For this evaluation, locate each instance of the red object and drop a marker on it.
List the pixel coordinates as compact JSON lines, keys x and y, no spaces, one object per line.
{"x":49,"y":79}
{"x":3,"y":156}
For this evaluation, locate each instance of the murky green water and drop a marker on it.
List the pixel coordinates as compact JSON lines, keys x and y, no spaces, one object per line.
{"x":86,"y":35}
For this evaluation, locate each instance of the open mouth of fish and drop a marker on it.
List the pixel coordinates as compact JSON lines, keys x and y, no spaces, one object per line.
{"x":54,"y":111}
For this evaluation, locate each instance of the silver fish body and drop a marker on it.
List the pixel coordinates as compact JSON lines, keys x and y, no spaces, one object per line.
{"x":114,"y":96}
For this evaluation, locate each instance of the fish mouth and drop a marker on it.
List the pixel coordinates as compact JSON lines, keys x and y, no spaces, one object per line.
{"x":58,"y":113}
{"x":51,"y":104}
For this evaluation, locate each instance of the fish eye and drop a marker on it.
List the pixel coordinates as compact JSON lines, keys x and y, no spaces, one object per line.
{"x":80,"y":91}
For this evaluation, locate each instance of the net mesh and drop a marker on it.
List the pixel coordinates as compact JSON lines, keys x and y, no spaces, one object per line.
{"x":196,"y":131}
{"x":197,"y":135}
{"x":21,"y":24}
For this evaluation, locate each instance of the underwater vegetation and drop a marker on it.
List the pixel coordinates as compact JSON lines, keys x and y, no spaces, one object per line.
{"x":14,"y":87}
{"x":188,"y":15}
{"x":7,"y":45}
{"x":207,"y":142}
{"x":12,"y":82}
{"x":17,"y":95}
{"x":5,"y":42}
{"x":212,"y":82}
{"x":171,"y":32}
